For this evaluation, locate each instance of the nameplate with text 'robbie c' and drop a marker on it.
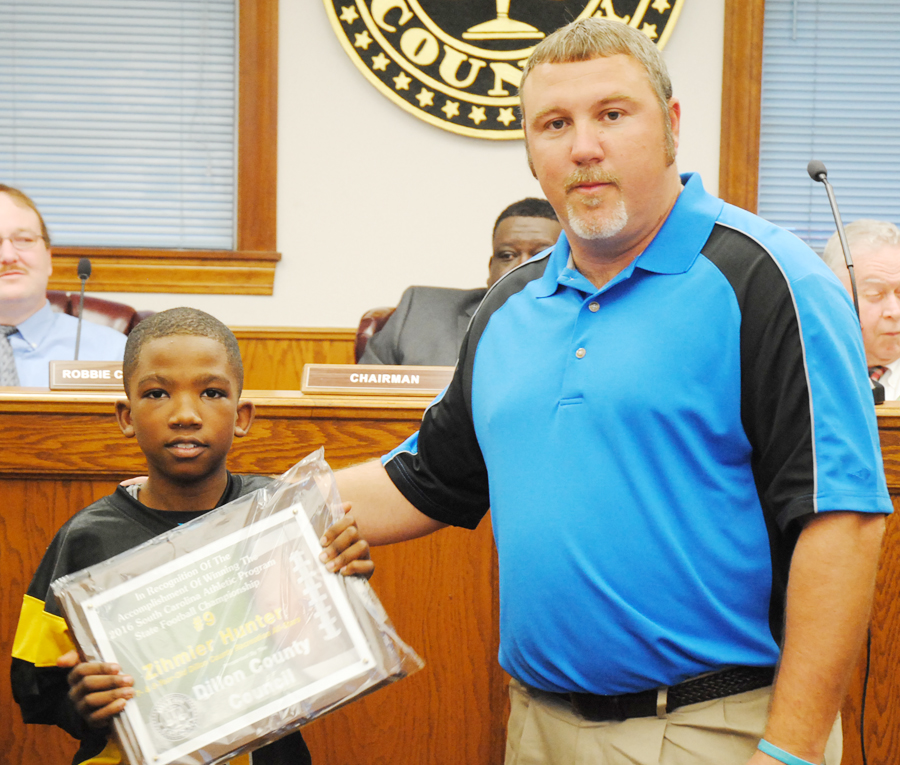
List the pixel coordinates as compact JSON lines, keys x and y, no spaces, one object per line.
{"x":86,"y":375}
{"x":357,"y":379}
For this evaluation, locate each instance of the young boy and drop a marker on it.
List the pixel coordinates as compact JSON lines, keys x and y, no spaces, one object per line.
{"x":183,"y":380}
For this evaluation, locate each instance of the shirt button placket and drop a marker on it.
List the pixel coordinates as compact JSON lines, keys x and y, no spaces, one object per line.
{"x":593,"y":307}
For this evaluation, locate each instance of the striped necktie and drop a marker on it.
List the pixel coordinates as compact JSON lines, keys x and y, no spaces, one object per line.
{"x":8,"y":373}
{"x":876,"y":373}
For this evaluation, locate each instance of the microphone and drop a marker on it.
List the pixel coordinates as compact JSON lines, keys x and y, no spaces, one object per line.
{"x":84,"y":273}
{"x":817,"y":171}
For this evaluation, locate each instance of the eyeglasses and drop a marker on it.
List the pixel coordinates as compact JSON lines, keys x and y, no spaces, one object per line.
{"x":23,"y":240}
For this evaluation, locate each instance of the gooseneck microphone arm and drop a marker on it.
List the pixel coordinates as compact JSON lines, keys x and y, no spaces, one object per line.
{"x":817,"y":171}
{"x":84,"y":273}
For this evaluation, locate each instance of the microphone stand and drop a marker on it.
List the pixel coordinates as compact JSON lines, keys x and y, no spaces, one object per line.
{"x":817,"y":171}
{"x":84,"y":272}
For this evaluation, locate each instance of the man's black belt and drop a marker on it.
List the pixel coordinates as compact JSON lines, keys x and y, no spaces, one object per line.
{"x":716,"y":685}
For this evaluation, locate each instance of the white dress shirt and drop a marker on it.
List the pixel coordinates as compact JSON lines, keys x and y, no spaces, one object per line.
{"x":891,"y":381}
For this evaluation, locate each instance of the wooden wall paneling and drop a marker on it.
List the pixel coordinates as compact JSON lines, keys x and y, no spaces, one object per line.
{"x":276,"y":442}
{"x":741,"y":88}
{"x":68,"y":445}
{"x":258,"y":125}
{"x":179,"y":271}
{"x":882,"y":735}
{"x":274,"y":356}
{"x":250,"y":270}
{"x":882,"y":692}
{"x":63,"y":436}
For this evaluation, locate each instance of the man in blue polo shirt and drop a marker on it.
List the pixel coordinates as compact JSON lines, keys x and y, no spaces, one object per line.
{"x":703,"y":494}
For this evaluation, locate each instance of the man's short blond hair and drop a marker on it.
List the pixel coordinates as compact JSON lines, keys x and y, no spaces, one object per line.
{"x":862,"y":234}
{"x":592,"y":38}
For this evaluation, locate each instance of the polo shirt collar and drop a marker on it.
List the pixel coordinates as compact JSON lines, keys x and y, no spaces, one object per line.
{"x":678,"y":243}
{"x":37,"y":326}
{"x":672,"y":251}
{"x":557,"y":271}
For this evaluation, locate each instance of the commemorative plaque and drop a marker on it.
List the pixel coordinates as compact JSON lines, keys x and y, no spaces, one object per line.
{"x":458,"y":65}
{"x":234,"y":631}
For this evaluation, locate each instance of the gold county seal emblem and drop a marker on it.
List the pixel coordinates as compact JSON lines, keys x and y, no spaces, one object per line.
{"x":457,"y":64}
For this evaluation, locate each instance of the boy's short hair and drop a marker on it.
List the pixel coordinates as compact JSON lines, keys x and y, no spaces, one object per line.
{"x":181,"y":321}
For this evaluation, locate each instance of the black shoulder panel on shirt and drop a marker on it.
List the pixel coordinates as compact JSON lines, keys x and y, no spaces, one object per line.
{"x":775,"y":397}
{"x":447,"y":479}
{"x":510,"y":284}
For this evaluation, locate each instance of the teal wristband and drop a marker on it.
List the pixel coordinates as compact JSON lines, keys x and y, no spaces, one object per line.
{"x":779,"y":754}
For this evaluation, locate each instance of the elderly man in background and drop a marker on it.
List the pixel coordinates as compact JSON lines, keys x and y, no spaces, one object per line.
{"x":875,"y":249}
{"x":430,"y":322}
{"x":31,"y":333}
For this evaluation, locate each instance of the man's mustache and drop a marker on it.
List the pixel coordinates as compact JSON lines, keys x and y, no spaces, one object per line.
{"x":589,"y":175}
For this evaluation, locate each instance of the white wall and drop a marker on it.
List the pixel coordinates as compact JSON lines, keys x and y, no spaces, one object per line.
{"x":371,"y":199}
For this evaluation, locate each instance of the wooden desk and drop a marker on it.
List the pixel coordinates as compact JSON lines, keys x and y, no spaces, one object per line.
{"x":59,"y":452}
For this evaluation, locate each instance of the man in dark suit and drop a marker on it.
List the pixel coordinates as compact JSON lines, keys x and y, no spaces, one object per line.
{"x":429,"y":324}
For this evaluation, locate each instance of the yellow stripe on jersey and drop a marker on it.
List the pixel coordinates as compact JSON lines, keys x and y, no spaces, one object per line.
{"x":41,"y":638}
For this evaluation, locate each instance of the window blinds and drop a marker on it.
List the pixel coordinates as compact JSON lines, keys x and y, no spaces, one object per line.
{"x":830,"y":91}
{"x":119,"y":119}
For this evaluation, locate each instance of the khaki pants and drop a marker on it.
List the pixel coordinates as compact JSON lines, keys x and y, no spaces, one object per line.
{"x":544,"y":730}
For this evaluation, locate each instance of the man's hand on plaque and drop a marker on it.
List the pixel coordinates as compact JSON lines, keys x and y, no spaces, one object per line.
{"x":98,"y":690}
{"x":344,"y":550}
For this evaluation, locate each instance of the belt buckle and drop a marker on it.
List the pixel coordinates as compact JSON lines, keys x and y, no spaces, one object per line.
{"x":662,"y":702}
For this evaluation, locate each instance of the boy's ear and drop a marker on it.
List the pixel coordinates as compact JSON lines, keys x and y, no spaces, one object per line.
{"x":123,"y":415}
{"x":246,"y":413}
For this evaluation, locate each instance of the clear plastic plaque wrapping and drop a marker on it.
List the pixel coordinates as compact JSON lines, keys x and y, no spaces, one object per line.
{"x":234,"y":631}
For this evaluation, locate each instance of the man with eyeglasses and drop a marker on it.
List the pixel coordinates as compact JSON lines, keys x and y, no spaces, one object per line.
{"x":31,"y":333}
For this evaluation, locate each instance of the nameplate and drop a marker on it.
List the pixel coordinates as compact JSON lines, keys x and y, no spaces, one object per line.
{"x":86,"y":375}
{"x":356,"y":379}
